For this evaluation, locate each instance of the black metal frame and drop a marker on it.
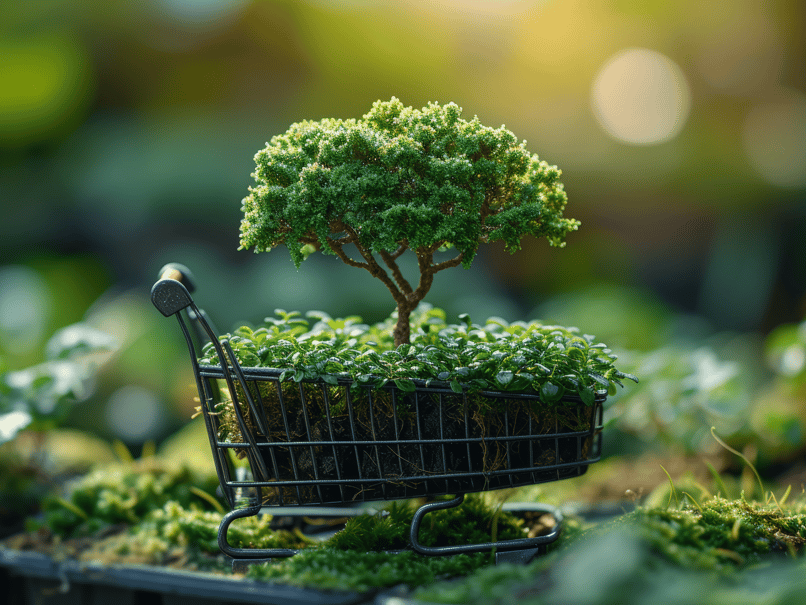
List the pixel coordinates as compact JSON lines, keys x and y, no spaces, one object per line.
{"x":172,"y":297}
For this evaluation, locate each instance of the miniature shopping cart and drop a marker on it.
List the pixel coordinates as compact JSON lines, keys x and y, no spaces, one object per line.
{"x":331,"y":444}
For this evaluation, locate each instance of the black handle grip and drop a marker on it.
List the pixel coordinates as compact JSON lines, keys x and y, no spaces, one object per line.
{"x":171,"y":293}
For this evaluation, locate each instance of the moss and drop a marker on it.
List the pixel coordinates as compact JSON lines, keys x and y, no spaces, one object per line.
{"x":333,"y":569}
{"x":123,"y":493}
{"x":722,"y":549}
{"x":351,"y":560}
{"x":472,"y":522}
{"x":722,"y":535}
{"x":141,"y":512}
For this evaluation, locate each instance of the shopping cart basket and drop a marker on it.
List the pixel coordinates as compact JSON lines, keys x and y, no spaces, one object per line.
{"x":335,"y":444}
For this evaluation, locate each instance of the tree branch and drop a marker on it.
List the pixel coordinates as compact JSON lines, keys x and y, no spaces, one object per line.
{"x":336,"y":246}
{"x":374,"y":268}
{"x":397,"y":274}
{"x":403,"y":247}
{"x":453,"y":262}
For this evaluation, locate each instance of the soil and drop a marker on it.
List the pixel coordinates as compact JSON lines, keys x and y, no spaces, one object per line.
{"x":383,"y":444}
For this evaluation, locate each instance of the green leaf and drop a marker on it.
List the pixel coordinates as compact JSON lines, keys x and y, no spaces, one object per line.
{"x":575,"y":352}
{"x":456,"y":387}
{"x":507,"y":360}
{"x":504,"y":377}
{"x":600,"y":379}
{"x":587,"y":395}
{"x":551,"y":393}
{"x":628,"y":376}
{"x":405,"y":385}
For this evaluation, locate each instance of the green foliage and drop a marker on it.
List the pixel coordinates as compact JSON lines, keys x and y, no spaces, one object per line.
{"x":39,"y":397}
{"x":398,"y":174}
{"x":191,"y":527}
{"x":779,"y":415}
{"x":654,"y":555}
{"x":518,"y":357}
{"x":472,"y":522}
{"x":683,"y":391}
{"x":785,"y":350}
{"x":331,"y":569}
{"x":351,"y":560}
{"x":123,"y":493}
{"x":720,"y":534}
{"x":401,"y":179}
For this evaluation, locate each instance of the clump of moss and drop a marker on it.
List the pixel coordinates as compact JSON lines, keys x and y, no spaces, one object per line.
{"x":333,"y":569}
{"x":197,"y":528}
{"x":353,"y":559}
{"x":655,"y":555}
{"x":720,"y":535}
{"x":472,"y":522}
{"x":149,"y":512}
{"x":125,"y":493}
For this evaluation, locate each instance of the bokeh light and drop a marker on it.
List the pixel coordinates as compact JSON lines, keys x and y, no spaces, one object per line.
{"x":641,"y":97}
{"x":774,"y":139}
{"x":47,"y":83}
{"x":25,"y":303}
{"x":135,"y":414}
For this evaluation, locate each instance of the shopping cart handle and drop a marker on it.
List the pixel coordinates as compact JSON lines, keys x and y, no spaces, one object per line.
{"x":179,"y":273}
{"x":171,"y":293}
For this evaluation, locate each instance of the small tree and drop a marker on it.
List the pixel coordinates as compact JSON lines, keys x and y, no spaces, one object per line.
{"x":398,"y":180}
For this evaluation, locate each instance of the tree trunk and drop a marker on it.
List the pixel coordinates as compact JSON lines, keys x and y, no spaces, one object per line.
{"x":402,"y":332}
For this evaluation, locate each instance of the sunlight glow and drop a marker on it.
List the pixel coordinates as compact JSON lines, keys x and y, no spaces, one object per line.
{"x":641,"y":97}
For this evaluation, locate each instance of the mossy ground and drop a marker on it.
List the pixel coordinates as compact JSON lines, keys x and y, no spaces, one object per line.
{"x":733,"y":551}
{"x":673,"y":549}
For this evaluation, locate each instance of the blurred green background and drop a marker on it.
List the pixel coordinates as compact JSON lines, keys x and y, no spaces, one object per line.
{"x":127,"y":131}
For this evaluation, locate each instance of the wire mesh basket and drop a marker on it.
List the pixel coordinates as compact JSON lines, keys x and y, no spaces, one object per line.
{"x":313,"y":443}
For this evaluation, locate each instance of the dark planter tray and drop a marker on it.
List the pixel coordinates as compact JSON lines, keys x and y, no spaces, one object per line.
{"x":30,"y":578}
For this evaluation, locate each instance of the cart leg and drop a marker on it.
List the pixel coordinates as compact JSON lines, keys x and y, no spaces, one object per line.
{"x":246,"y":553}
{"x":515,"y":551}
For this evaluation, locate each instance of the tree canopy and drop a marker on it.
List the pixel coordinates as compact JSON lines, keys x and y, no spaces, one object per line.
{"x":401,"y":179}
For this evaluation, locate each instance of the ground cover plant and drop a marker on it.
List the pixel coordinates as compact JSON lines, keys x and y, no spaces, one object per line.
{"x":39,"y":398}
{"x":565,"y":372}
{"x":149,"y":510}
{"x":34,"y":401}
{"x":498,"y":355}
{"x":159,"y":513}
